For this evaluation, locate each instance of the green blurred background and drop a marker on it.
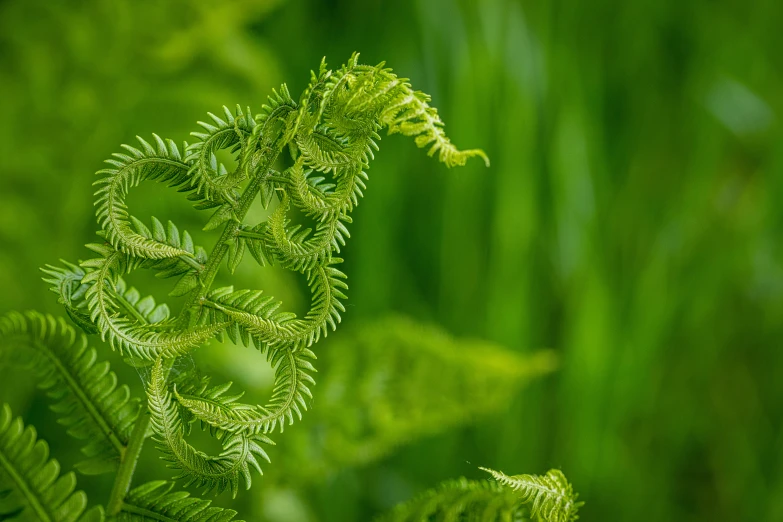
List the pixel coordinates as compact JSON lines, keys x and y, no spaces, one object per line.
{"x":628,"y":222}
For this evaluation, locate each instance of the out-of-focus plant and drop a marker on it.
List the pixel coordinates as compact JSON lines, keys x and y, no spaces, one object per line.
{"x":547,"y":498}
{"x":330,"y":134}
{"x":394,"y":380}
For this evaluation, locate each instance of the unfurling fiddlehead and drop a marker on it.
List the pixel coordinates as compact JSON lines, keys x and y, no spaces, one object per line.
{"x":330,"y":134}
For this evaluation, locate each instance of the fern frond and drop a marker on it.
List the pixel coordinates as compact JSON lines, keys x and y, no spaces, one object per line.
{"x":91,"y":404}
{"x":30,"y":481}
{"x":68,"y":283}
{"x":326,"y":289}
{"x":411,"y":115}
{"x":302,"y":250}
{"x":324,"y":152}
{"x":156,"y":501}
{"x":144,"y":309}
{"x":192,"y":262}
{"x":546,"y":499}
{"x":358,"y":97}
{"x":332,"y":131}
{"x":162,"y":163}
{"x":317,"y":200}
{"x":224,"y":304}
{"x":275,"y":124}
{"x":210,"y":178}
{"x":212,"y":473}
{"x":126,"y":334}
{"x":551,"y":496}
{"x":397,"y":396}
{"x":209,"y":404}
{"x":289,"y":398}
{"x":457,"y":501}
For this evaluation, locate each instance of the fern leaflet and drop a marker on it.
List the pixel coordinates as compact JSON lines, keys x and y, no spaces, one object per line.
{"x":37,"y":490}
{"x":551,"y":496}
{"x":155,"y":501}
{"x":91,"y":405}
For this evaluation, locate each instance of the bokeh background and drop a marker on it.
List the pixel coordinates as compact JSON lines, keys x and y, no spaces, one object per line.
{"x":630,"y":223}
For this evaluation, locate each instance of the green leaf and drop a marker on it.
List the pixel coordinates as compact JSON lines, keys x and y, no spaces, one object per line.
{"x":236,"y":250}
{"x":208,"y":177}
{"x":222,"y":215}
{"x":162,"y":163}
{"x":91,"y":405}
{"x":187,"y":283}
{"x":218,"y":473}
{"x":457,"y":501}
{"x":551,"y":497}
{"x":156,"y":501}
{"x":31,"y":481}
{"x":127,"y":334}
{"x":293,"y":381}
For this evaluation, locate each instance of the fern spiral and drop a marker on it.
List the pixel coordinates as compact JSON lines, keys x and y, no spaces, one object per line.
{"x":330,"y":134}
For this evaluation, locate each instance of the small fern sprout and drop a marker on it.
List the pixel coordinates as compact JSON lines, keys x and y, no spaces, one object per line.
{"x":330,"y":135}
{"x":548,"y":498}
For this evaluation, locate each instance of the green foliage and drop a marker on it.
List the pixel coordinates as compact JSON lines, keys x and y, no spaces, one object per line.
{"x":156,"y":501}
{"x":551,"y":497}
{"x":394,"y":380}
{"x":631,"y":222}
{"x":548,"y":498}
{"x":213,"y":473}
{"x":332,"y":129}
{"x":457,"y":500}
{"x":87,"y":398}
{"x":31,"y":487}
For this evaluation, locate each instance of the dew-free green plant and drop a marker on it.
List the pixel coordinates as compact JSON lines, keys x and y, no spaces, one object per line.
{"x":378,"y":391}
{"x":325,"y":142}
{"x":548,"y":498}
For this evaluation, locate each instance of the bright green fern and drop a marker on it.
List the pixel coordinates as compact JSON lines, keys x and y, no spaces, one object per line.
{"x":86,"y":396}
{"x":307,"y":158}
{"x":31,"y":487}
{"x":376,"y":392}
{"x":548,"y":498}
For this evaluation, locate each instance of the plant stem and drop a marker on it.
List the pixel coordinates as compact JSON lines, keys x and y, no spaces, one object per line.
{"x":130,"y":456}
{"x":221,"y":247}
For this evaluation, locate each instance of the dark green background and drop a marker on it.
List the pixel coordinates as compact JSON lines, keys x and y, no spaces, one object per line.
{"x":631,"y":219}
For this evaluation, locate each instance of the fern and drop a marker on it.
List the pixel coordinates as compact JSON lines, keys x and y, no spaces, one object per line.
{"x":208,"y":176}
{"x":289,"y":398}
{"x":393,"y":398}
{"x":156,"y":501}
{"x":331,"y":134}
{"x":551,"y":497}
{"x":457,"y":500}
{"x":91,"y":405}
{"x":218,"y":473}
{"x":163,"y":163}
{"x":548,"y":498}
{"x":31,"y":487}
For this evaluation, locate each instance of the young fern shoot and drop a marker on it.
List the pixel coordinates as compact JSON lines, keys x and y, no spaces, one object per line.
{"x":547,"y":498}
{"x":330,"y":133}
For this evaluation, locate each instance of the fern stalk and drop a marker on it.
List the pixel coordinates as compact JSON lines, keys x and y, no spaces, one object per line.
{"x":127,"y":467}
{"x":221,"y":247}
